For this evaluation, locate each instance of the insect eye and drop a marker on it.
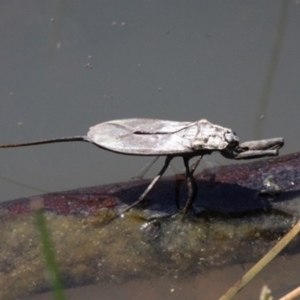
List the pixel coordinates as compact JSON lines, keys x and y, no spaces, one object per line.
{"x":231,"y":137}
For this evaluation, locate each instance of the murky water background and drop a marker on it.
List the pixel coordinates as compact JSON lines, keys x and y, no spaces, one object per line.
{"x":68,"y":65}
{"x":209,"y":286}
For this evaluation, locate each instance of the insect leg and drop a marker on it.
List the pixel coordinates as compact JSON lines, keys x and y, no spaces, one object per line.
{"x":144,"y":170}
{"x":193,"y":168}
{"x":150,"y":186}
{"x":196,"y":164}
{"x":192,"y":187}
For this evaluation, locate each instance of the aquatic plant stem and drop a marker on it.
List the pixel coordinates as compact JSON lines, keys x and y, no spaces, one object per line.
{"x":262,"y":263}
{"x":292,"y":295}
{"x":49,"y":255}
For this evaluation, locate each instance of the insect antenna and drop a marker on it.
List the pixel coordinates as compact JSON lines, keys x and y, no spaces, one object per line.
{"x":48,"y":141}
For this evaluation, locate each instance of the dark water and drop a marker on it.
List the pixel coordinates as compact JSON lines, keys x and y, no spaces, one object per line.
{"x":210,"y":285}
{"x":68,"y":65}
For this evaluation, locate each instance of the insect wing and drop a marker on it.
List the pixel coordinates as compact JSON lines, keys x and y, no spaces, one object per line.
{"x":153,"y":126}
{"x":142,"y":136}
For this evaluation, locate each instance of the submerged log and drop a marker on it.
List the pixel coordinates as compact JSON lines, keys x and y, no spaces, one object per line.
{"x":241,"y":211}
{"x":262,"y":185}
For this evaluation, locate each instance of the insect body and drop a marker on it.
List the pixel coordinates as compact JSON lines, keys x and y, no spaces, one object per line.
{"x":159,"y":137}
{"x":151,"y":137}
